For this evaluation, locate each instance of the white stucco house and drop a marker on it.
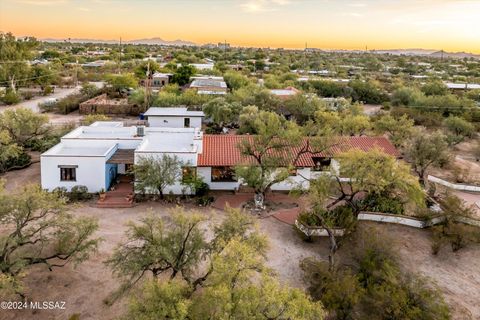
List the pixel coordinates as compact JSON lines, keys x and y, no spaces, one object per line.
{"x":95,"y":156}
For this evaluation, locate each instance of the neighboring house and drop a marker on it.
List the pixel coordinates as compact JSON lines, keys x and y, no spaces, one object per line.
{"x":174,"y":118}
{"x":285,"y":93}
{"x":160,"y":80}
{"x":95,"y":155}
{"x":203,"y":66}
{"x":209,"y":85}
{"x":94,"y":64}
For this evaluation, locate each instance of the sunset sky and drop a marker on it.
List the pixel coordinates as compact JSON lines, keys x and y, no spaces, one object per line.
{"x":328,"y":24}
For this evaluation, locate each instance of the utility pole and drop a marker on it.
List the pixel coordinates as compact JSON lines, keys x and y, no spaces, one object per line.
{"x":225,"y":51}
{"x":119,"y":57}
{"x":147,"y":87}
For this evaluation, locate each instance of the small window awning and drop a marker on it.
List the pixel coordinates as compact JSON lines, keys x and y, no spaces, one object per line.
{"x":122,"y":156}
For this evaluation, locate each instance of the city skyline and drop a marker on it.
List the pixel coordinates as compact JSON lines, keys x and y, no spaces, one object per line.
{"x":349,"y":25}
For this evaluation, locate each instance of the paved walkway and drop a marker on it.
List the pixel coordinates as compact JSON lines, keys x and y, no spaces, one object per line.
{"x":287,"y":216}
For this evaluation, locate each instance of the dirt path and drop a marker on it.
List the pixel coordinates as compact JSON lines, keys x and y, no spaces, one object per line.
{"x":456,"y":274}
{"x":84,"y":288}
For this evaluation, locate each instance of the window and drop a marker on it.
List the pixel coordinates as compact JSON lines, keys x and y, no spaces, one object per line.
{"x":188,"y":173}
{"x":186,"y":122}
{"x":163,"y":82}
{"x":223,"y":174}
{"x":321,"y":163}
{"x":68,"y":174}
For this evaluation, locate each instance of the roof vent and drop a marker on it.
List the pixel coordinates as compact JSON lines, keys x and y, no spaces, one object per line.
{"x":140,"y":131}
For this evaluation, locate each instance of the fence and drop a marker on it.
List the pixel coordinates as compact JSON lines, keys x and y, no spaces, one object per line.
{"x":462,"y":187}
{"x":385,"y":218}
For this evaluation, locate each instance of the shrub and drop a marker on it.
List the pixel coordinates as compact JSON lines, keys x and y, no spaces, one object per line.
{"x":11,"y":97}
{"x":18,"y":162}
{"x":61,"y":192}
{"x":380,"y":203}
{"x":79,"y":193}
{"x":340,"y":216}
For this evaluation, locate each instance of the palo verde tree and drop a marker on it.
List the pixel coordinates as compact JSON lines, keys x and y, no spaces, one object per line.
{"x":235,"y":283}
{"x":370,"y":173}
{"x":36,"y":229}
{"x":268,"y":152}
{"x":15,"y":54}
{"x":425,"y":150}
{"x":154,"y":174}
{"x":373,"y":285}
{"x":9,"y":150}
{"x":458,"y":129}
{"x":24,"y":126}
{"x":399,"y":129}
{"x":452,"y":229}
{"x":176,"y":247}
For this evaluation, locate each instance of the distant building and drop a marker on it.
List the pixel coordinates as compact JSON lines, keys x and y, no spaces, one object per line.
{"x":223,"y":46}
{"x":174,"y":118}
{"x":103,"y":105}
{"x":160,"y":80}
{"x":94,"y":64}
{"x":209,"y":85}
{"x":285,"y":93}
{"x":462,"y":86}
{"x":203,"y":66}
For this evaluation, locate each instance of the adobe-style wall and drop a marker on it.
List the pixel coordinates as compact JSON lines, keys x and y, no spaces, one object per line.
{"x":103,"y":105}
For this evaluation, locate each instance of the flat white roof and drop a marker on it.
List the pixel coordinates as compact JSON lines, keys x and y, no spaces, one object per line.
{"x":68,"y":150}
{"x":159,"y":74}
{"x":172,"y":112}
{"x":103,"y":132}
{"x":283,"y":92}
{"x":168,"y":143}
{"x":115,"y":124}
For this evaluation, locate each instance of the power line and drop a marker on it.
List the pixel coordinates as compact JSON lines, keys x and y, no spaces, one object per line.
{"x":32,"y":78}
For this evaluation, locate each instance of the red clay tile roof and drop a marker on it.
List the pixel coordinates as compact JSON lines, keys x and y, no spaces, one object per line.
{"x":222,"y":150}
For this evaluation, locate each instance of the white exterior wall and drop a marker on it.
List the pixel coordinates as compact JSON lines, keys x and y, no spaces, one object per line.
{"x":206,"y":174}
{"x":291,"y":182}
{"x":90,"y":172}
{"x":173,"y":121}
{"x":300,"y":180}
{"x":190,"y":158}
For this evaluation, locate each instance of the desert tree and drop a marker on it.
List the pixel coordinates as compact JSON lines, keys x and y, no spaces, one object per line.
{"x":425,"y":150}
{"x":177,"y":247}
{"x":240,"y":286}
{"x":458,"y":129}
{"x":373,"y":284}
{"x":373,"y":172}
{"x":154,"y":174}
{"x":15,"y":52}
{"x":452,"y":229}
{"x":23,"y":125}
{"x":37,"y":229}
{"x":398,"y":129}
{"x":268,"y":153}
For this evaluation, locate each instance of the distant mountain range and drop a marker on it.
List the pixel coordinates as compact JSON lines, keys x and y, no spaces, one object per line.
{"x":179,"y":42}
{"x":429,"y":52}
{"x":147,"y":41}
